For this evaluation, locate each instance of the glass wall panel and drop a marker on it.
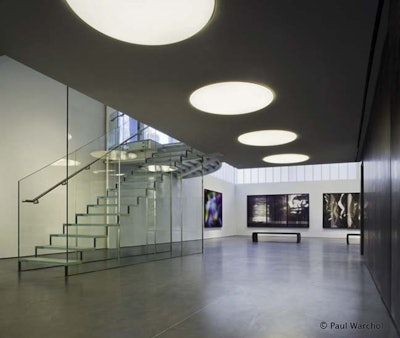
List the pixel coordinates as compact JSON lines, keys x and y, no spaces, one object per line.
{"x":40,"y":216}
{"x":270,"y":175}
{"x":240,"y":176}
{"x":277,"y":174}
{"x":192,"y":215}
{"x":325,"y":172}
{"x":353,"y":170}
{"x":343,"y":171}
{"x":284,"y":174}
{"x":334,"y":169}
{"x":262,"y":175}
{"x":120,"y":199}
{"x":317,"y":176}
{"x":247,"y":176}
{"x":309,"y":173}
{"x":300,"y":173}
{"x":254,"y":175}
{"x":292,"y":174}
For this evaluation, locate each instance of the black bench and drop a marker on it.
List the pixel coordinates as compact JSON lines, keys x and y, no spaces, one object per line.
{"x":255,"y":234}
{"x":348,"y":235}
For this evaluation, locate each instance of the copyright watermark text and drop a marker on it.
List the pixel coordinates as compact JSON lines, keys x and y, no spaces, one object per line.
{"x":350,"y":326}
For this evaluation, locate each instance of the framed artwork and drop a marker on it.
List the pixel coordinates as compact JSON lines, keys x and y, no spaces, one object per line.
{"x":278,"y":211}
{"x":298,"y":210}
{"x":341,"y":211}
{"x":212,"y":209}
{"x":256,"y":211}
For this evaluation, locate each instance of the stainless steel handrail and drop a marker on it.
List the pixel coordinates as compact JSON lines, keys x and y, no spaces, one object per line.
{"x":36,"y":199}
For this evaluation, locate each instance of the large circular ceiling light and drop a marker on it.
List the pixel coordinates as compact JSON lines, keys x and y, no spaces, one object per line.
{"x":231,"y":98}
{"x":145,"y":22}
{"x":267,"y":137}
{"x":286,"y":158}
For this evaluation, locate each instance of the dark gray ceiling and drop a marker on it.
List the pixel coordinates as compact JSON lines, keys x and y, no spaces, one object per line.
{"x":312,"y":53}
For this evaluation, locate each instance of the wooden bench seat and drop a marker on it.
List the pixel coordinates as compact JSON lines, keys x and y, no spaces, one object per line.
{"x":255,"y":234}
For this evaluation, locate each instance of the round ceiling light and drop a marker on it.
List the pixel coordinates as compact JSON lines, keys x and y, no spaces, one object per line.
{"x":267,"y":137}
{"x":286,"y":158}
{"x":149,"y":22}
{"x":231,"y":98}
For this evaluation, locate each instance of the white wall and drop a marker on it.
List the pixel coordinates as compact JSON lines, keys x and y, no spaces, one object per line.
{"x":33,"y":134}
{"x":193,"y":208}
{"x":228,"y":207}
{"x":314,"y":188}
{"x":192,"y":211}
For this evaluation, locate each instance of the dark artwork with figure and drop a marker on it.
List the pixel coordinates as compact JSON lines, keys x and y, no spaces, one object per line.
{"x":278,"y":211}
{"x":212,"y":209}
{"x":298,"y":210}
{"x":341,"y":211}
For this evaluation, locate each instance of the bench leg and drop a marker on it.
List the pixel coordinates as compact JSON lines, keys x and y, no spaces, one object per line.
{"x":298,"y":238}
{"x":347,"y":239}
{"x":255,"y":237}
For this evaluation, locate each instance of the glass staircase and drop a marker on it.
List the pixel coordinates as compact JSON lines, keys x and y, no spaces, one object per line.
{"x":123,"y":207}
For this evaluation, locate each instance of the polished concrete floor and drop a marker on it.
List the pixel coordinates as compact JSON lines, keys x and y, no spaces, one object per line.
{"x":318,"y":288}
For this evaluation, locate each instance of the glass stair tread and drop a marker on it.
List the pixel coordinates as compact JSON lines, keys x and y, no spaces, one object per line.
{"x":104,"y":205}
{"x":174,"y":146}
{"x":173,"y":159}
{"x":144,"y":174}
{"x":103,"y":214}
{"x":133,"y":185}
{"x":171,"y":154}
{"x":131,"y":178}
{"x":78,"y":236}
{"x":63,"y":247}
{"x":51,"y":261}
{"x":92,"y":224}
{"x":128,"y":185}
{"x":124,"y":197}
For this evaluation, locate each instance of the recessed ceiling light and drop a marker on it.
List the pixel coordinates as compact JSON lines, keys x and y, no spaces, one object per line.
{"x":150,"y":22}
{"x":160,"y":168}
{"x":231,"y":98}
{"x":267,"y":137}
{"x":286,"y":158}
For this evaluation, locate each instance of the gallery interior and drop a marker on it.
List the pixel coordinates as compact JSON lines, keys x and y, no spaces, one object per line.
{"x":212,"y":168}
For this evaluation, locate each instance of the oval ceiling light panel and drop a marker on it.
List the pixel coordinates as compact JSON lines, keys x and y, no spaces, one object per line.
{"x":286,"y":158}
{"x":267,"y":137}
{"x":145,"y":22}
{"x":231,"y":98}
